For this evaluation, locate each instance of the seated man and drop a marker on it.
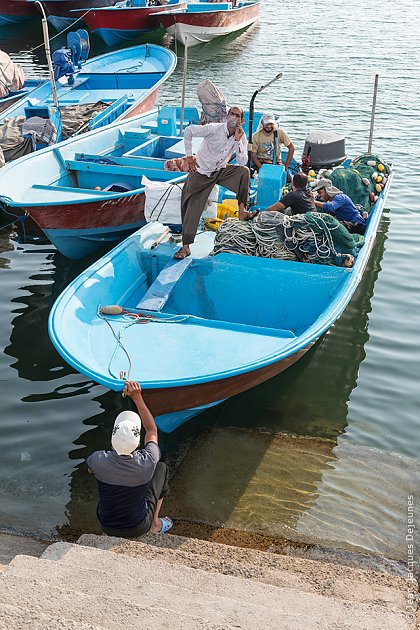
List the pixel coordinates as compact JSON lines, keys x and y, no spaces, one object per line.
{"x":132,"y":483}
{"x":335,"y":202}
{"x":267,"y":140}
{"x":300,"y":200}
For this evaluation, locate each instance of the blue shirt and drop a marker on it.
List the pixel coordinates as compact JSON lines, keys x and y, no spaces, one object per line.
{"x":123,"y":481}
{"x":343,"y":209}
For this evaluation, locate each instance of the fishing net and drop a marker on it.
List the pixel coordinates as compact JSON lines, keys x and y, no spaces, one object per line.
{"x":313,"y":237}
{"x":350,"y":180}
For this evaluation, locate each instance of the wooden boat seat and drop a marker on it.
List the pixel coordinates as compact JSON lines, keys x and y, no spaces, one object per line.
{"x":94,"y":167}
{"x":48,"y":193}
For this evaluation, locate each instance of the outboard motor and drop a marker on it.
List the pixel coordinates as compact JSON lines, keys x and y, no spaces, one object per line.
{"x":67,"y":61}
{"x":324,"y":149}
{"x":79,"y":45}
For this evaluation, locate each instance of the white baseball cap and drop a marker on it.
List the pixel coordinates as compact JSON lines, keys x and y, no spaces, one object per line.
{"x":268,"y":119}
{"x":126,"y":433}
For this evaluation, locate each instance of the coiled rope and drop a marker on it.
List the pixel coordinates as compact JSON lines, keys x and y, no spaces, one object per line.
{"x":312,"y":237}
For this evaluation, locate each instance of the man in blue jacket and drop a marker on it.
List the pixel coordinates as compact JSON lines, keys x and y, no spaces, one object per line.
{"x":335,"y":202}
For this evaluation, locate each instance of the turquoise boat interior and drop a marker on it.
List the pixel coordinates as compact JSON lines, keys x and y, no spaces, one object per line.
{"x":108,"y":162}
{"x":117,"y":82}
{"x":213,"y":317}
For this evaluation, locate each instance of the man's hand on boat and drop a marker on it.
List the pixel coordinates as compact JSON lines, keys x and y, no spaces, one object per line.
{"x":192,"y":163}
{"x":131,"y":389}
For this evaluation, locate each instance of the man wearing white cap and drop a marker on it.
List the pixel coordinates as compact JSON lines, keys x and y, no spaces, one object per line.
{"x":267,"y":142}
{"x":132,"y":483}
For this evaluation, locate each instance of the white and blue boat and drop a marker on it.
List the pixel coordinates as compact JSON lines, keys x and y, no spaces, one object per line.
{"x":96,"y":92}
{"x":211,"y":326}
{"x":89,"y":190}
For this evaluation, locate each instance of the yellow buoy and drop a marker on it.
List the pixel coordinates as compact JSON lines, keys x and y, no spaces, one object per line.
{"x":225,"y":210}
{"x":378,"y":179}
{"x":381,"y":167}
{"x":378,"y":188}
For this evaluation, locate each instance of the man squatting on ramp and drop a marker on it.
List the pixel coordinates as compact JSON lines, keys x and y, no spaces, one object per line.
{"x":210,"y":167}
{"x":132,"y":482}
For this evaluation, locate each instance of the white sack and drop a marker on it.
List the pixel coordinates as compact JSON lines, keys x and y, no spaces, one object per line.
{"x":163,"y":201}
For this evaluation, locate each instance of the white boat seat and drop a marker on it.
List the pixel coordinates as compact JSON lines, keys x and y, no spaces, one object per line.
{"x":159,"y":291}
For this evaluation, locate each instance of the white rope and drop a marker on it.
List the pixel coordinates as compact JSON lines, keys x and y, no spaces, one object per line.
{"x":295,"y":239}
{"x":63,"y":31}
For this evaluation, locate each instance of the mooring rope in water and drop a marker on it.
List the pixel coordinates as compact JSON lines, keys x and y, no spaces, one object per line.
{"x":16,"y":218}
{"x":131,"y":319}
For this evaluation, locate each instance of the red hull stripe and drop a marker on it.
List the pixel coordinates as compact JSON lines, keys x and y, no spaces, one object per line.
{"x":63,"y":8}
{"x":125,"y":18}
{"x":232,"y":18}
{"x":18,"y":7}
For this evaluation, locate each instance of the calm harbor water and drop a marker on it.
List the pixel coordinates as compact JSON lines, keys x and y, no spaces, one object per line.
{"x":329,"y":450}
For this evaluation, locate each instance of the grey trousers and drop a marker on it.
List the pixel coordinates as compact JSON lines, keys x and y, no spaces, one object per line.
{"x":197,"y":189}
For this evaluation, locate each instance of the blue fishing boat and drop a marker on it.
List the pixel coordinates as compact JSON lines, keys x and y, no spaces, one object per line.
{"x":126,"y":20}
{"x":89,"y":190}
{"x":197,"y":331}
{"x":91,"y":93}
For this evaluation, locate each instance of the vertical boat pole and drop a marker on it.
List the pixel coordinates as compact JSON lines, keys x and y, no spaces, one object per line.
{"x":184,"y":84}
{"x":251,"y":114}
{"x":48,"y":52}
{"x":372,"y":118}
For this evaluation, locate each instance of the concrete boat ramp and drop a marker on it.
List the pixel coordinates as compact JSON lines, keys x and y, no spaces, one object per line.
{"x":168,"y":581}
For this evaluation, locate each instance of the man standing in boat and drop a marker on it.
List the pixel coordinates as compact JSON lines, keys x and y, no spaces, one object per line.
{"x":210,"y":167}
{"x":132,"y":483}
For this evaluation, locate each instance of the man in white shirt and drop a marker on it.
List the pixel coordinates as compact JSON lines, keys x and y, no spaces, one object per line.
{"x":210,"y":167}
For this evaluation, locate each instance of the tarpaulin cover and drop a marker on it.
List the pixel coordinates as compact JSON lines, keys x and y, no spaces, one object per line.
{"x":12,"y":76}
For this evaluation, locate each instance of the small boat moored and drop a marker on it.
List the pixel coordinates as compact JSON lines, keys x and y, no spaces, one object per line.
{"x":203,"y":21}
{"x":91,"y":93}
{"x":126,"y":20}
{"x":214,"y":324}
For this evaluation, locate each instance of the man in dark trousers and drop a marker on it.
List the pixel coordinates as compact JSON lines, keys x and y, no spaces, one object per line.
{"x":132,"y":483}
{"x":210,"y":167}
